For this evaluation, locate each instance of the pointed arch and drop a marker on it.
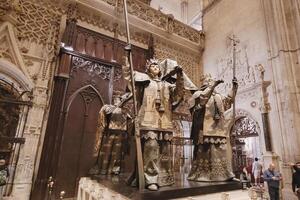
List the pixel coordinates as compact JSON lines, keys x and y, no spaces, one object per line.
{"x":13,"y":66}
{"x":73,"y":96}
{"x":244,"y":113}
{"x":243,"y":117}
{"x":11,"y":74}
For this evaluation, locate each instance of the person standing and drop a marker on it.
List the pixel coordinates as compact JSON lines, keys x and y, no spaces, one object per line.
{"x":256,"y":171}
{"x":273,"y":179}
{"x":296,"y":179}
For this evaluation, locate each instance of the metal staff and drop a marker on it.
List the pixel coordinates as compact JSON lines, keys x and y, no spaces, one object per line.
{"x":136,"y":123}
{"x":234,"y":43}
{"x":233,"y":76}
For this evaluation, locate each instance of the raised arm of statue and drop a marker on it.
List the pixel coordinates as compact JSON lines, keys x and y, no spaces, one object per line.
{"x":178,"y":91}
{"x":201,"y":97}
{"x":102,"y":120}
{"x":229,"y":99}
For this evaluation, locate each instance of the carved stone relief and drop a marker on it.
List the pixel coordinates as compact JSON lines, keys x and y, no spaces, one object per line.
{"x":104,"y":22}
{"x":146,"y":1}
{"x":4,"y":51}
{"x":37,"y":21}
{"x":6,"y":6}
{"x":3,"y":7}
{"x":145,"y":12}
{"x":188,"y":60}
{"x":161,"y":20}
{"x":245,"y":127}
{"x":246,"y":74}
{"x":38,"y":28}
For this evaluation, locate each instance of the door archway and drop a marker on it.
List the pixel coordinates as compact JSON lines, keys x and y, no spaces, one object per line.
{"x":9,"y":118}
{"x":245,"y":142}
{"x":14,"y":110}
{"x":80,"y":142}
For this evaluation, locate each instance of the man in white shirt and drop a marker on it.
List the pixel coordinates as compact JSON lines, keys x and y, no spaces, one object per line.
{"x":256,"y":171}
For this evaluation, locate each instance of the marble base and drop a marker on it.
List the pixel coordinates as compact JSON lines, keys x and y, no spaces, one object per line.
{"x":107,"y":186}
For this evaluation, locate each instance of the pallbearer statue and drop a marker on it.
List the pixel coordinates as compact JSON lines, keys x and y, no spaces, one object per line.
{"x":113,"y":124}
{"x":158,"y":91}
{"x":210,"y":130}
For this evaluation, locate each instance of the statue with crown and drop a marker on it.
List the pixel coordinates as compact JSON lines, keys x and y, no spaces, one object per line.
{"x":159,"y":91}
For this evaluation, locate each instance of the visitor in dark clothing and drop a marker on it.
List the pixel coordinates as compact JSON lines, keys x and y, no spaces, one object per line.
{"x":273,"y":179}
{"x":296,"y":179}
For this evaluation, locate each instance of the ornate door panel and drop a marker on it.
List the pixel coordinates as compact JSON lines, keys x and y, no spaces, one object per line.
{"x":88,"y":89}
{"x":85,"y":80}
{"x":87,"y":72}
{"x":244,"y":127}
{"x":80,"y":142}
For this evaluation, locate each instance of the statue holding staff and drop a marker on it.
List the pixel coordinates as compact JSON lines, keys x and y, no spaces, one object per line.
{"x":209,"y":132}
{"x":113,"y":125}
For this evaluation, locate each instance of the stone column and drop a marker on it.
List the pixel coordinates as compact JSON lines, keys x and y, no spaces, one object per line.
{"x":283,"y":30}
{"x":282,"y":19}
{"x":265,"y":108}
{"x":269,"y":156}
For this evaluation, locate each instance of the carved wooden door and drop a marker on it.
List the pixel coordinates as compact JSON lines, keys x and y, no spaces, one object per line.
{"x":79,"y":144}
{"x":88,"y":90}
{"x":85,"y":80}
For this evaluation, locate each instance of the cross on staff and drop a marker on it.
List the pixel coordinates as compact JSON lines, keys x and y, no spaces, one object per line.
{"x":235,"y":41}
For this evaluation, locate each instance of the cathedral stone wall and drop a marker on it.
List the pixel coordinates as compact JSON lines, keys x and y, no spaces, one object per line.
{"x":190,"y":61}
{"x":29,"y":36}
{"x":221,"y":23}
{"x":268,"y":35}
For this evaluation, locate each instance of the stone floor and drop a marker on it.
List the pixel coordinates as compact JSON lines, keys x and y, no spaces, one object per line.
{"x":233,"y":195}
